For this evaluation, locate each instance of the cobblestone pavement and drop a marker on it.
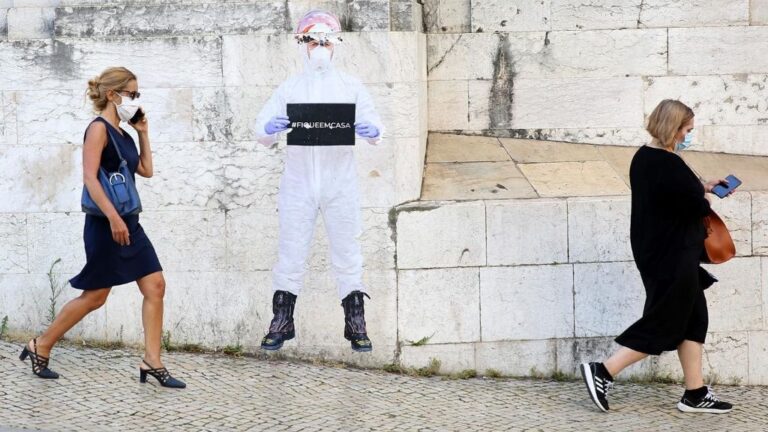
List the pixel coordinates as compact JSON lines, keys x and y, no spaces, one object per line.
{"x":99,"y":391}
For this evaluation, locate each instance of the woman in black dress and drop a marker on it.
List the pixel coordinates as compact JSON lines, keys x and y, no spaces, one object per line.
{"x":117,"y":249}
{"x":667,"y":235}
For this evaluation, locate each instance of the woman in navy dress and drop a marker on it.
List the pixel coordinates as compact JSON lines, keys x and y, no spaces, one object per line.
{"x":117,"y":249}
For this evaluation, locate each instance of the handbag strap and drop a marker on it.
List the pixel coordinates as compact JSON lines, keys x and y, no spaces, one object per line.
{"x":114,"y":142}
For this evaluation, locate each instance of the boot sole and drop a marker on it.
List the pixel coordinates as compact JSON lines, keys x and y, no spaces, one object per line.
{"x":369,"y":349}
{"x":277,"y":347}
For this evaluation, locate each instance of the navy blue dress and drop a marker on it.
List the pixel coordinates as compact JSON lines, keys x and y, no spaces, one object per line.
{"x":107,"y":263}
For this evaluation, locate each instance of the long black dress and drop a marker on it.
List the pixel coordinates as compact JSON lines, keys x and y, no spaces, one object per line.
{"x":107,"y":263}
{"x":667,"y":235}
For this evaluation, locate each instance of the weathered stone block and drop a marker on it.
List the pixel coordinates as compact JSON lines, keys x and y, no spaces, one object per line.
{"x":758,"y":12}
{"x":252,"y":238}
{"x":201,"y":167}
{"x":453,"y":357}
{"x":517,"y":358}
{"x":171,"y":19}
{"x":693,"y":13}
{"x":13,"y":252}
{"x":25,"y":300}
{"x":580,"y":15}
{"x":449,"y":103}
{"x":464,"y":148}
{"x":373,"y":57}
{"x":409,"y":154}
{"x":40,"y":178}
{"x":758,"y":357}
{"x":51,"y":117}
{"x":743,"y":139}
{"x":565,"y":103}
{"x":398,"y":106}
{"x":598,"y":229}
{"x":188,"y":240}
{"x":3,"y":23}
{"x":572,"y":352}
{"x":608,"y":298}
{"x":736,"y":212}
{"x":54,"y":236}
{"x":8,"y":118}
{"x":712,"y":51}
{"x":447,"y":16}
{"x":69,"y":63}
{"x":717,"y":100}
{"x":502,"y":15}
{"x":536,"y":55}
{"x":405,"y":15}
{"x":450,"y":318}
{"x":760,"y":223}
{"x":475,"y":181}
{"x":514,"y":226}
{"x":530,"y":302}
{"x":30,"y":23}
{"x":451,"y":235}
{"x":735,"y":302}
{"x":251,"y":174}
{"x":376,"y":165}
{"x":726,"y":359}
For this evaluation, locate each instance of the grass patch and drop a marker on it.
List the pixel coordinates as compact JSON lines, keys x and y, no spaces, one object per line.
{"x":493,"y":373}
{"x":463,"y":375}
{"x":430,"y":370}
{"x":233,"y":350}
{"x":421,"y":342}
{"x":4,"y":327}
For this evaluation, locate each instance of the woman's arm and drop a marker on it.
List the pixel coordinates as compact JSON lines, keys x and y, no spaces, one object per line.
{"x":145,"y":168}
{"x":95,"y":141}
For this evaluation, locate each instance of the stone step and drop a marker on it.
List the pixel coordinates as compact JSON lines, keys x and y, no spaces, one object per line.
{"x":153,"y":18}
{"x":475,"y":167}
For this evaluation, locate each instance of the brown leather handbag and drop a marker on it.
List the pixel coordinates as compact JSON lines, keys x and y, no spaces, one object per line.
{"x":718,"y":245}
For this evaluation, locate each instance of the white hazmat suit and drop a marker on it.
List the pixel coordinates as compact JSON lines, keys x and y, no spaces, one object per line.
{"x":319,"y":178}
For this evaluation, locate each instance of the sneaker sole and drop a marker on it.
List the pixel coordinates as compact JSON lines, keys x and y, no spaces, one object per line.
{"x":689,"y":409}
{"x":589,"y":380}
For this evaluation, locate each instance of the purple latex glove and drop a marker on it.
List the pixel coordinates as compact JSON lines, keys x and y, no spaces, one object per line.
{"x":276,"y":124}
{"x":366,"y":130}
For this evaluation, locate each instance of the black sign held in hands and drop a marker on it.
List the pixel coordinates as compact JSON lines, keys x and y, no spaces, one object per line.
{"x":321,"y":124}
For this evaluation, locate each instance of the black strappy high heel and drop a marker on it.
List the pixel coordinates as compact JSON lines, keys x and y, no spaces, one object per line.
{"x":39,"y":362}
{"x":161,"y":374}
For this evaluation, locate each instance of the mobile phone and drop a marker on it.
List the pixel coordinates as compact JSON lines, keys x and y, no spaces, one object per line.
{"x":138,"y":116}
{"x":722,"y":191}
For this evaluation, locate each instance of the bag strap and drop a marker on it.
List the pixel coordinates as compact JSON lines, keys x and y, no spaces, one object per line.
{"x":114,"y":142}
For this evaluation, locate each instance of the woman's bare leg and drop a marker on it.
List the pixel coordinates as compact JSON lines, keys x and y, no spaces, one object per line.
{"x":621,"y":359}
{"x":72,"y":313}
{"x":153,"y":288}
{"x":690,"y":354}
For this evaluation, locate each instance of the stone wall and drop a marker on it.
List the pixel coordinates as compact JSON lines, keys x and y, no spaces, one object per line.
{"x":536,"y":286}
{"x":205,"y":69}
{"x":591,"y":71}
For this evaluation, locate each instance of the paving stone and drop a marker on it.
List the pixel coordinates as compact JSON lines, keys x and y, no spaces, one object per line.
{"x":529,"y":151}
{"x":461,"y":148}
{"x":99,"y":391}
{"x":563,"y":179}
{"x":477,"y":180}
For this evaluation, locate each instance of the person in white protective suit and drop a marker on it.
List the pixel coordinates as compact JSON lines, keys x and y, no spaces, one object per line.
{"x":318,"y":179}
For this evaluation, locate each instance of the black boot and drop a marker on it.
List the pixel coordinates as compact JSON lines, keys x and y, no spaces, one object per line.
{"x":354,"y":321}
{"x":281,"y":329}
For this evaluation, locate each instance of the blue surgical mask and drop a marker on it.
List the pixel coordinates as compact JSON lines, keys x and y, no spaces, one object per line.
{"x":685,"y":143}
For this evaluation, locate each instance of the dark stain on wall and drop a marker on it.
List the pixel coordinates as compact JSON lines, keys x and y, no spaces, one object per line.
{"x":503,"y":87}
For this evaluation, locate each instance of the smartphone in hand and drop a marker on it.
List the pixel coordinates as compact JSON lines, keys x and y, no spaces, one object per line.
{"x":722,"y":191}
{"x":138,"y":116}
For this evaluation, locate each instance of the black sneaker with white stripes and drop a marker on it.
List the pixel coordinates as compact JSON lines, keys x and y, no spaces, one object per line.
{"x":709,"y":403}
{"x":598,"y":382}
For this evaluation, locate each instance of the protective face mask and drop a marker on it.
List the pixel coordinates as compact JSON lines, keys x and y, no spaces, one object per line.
{"x":686,"y":142}
{"x":320,"y":59}
{"x":127,"y":109}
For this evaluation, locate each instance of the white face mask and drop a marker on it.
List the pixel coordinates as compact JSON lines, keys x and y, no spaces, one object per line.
{"x":320,"y":59}
{"x":127,"y":109}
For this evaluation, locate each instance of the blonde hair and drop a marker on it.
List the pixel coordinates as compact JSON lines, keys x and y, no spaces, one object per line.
{"x":666,"y":120}
{"x":114,"y":78}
